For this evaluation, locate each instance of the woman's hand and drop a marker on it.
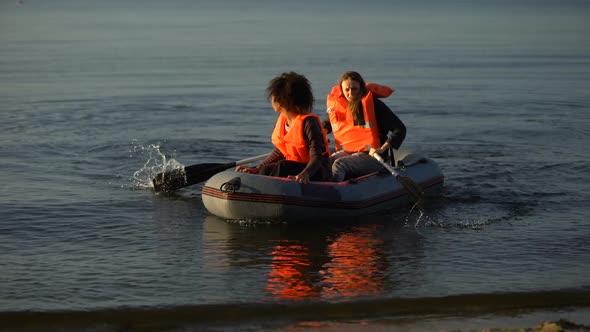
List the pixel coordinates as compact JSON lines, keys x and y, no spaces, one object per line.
{"x":377,"y":151}
{"x":243,"y":169}
{"x":302,"y":177}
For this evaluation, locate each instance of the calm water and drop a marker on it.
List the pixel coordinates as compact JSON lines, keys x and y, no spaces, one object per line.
{"x":96,"y":97}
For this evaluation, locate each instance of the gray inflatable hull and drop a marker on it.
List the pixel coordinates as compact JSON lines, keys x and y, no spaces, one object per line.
{"x":243,"y":196}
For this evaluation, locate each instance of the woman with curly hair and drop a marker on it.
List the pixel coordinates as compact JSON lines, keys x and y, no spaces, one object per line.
{"x":301,"y":147}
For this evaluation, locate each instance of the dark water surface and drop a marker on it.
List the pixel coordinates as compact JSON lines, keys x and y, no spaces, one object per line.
{"x":97,"y":97}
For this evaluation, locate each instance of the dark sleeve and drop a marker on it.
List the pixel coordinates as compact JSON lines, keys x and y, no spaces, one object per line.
{"x":327,"y":125}
{"x":390,"y":124}
{"x":319,"y":158}
{"x":274,"y":156}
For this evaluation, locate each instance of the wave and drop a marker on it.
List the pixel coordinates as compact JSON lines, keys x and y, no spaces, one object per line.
{"x":193,"y":316}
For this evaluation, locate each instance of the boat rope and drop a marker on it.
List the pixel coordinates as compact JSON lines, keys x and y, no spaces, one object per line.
{"x":231,"y":186}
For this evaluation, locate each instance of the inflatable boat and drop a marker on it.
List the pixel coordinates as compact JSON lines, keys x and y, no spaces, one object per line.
{"x":243,"y":196}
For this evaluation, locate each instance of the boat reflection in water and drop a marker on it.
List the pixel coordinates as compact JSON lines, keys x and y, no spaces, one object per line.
{"x":350,"y":265}
{"x":316,"y":260}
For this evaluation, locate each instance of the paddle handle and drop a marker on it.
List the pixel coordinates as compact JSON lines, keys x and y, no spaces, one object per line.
{"x":251,"y":159}
{"x":386,"y":165}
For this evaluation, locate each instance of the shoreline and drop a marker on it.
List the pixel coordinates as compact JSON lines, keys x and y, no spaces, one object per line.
{"x":514,"y":320}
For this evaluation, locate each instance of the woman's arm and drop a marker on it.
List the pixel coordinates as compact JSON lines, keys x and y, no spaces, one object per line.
{"x":327,"y":125}
{"x":273,"y":157}
{"x":389,"y":122}
{"x":317,"y":148}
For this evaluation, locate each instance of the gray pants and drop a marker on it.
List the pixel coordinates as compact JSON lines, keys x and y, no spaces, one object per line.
{"x":346,"y":165}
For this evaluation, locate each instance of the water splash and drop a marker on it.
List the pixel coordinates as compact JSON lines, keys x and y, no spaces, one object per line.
{"x":156,"y":162}
{"x":419,"y":217}
{"x":458,"y":217}
{"x":251,"y":222}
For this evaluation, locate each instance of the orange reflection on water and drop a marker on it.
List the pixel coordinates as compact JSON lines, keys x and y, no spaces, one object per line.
{"x":288,"y":278}
{"x":356,"y":266}
{"x":352,"y":265}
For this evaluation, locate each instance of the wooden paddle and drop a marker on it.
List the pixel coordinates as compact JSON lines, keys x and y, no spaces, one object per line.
{"x":189,"y":175}
{"x":411,"y":186}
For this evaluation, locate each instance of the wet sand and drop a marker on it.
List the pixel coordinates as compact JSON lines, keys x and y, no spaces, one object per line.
{"x":566,"y":320}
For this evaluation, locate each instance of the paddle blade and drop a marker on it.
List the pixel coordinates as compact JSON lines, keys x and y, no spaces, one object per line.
{"x":169,"y":181}
{"x":187,"y":176}
{"x":414,"y":189}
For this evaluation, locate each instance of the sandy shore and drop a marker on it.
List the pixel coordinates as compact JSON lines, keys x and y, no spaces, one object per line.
{"x":558,"y":326}
{"x":560,"y":320}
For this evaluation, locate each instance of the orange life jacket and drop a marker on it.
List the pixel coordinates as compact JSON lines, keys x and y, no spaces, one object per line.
{"x":292,"y":143}
{"x":347,"y":135}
